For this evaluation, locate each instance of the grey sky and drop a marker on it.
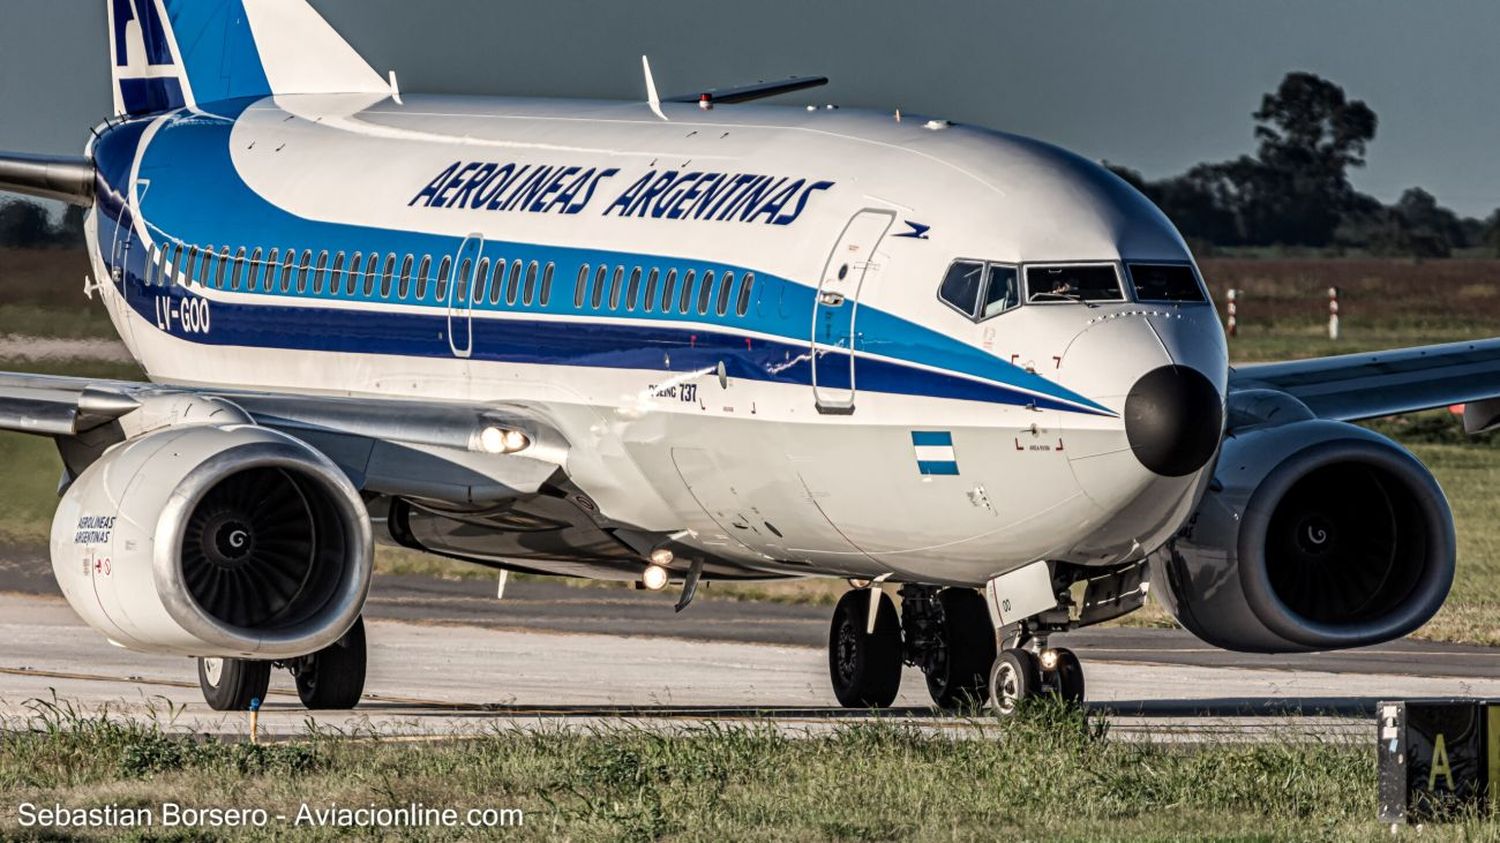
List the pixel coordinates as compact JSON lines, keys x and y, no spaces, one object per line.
{"x":1157,"y":85}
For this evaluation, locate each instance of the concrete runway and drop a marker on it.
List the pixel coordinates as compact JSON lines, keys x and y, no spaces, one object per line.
{"x":475,"y":666}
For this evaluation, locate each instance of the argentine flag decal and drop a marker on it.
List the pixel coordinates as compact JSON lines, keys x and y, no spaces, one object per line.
{"x":935,"y":455}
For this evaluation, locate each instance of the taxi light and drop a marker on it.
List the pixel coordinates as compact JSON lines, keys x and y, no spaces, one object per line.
{"x":661,"y":556}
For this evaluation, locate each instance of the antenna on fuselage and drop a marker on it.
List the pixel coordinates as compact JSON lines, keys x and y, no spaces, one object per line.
{"x":653,"y":99}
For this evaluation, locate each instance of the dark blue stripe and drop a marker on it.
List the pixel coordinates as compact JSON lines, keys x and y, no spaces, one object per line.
{"x":925,"y":438}
{"x":151,"y":96}
{"x":938,"y":468}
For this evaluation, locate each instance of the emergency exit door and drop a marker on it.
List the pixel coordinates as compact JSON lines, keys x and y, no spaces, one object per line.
{"x":836,"y":310}
{"x":460,"y":300}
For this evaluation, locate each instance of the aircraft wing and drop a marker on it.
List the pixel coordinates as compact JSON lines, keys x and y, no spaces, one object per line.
{"x":1353,"y":387}
{"x":444,"y":451}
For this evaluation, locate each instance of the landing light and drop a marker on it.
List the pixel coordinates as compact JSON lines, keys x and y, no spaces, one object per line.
{"x":661,"y":556}
{"x":655,"y":577}
{"x":1049,"y":660}
{"x":500,"y":440}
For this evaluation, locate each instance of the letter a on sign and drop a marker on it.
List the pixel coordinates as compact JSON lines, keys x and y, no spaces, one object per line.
{"x":1440,"y":764}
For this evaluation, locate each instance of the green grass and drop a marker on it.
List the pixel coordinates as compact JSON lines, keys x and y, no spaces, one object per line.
{"x":1048,"y":774}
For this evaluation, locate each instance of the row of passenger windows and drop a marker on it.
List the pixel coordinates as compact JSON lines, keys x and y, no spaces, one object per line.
{"x":652,"y":289}
{"x":389,"y":276}
{"x":981,"y":290}
{"x":411,"y":279}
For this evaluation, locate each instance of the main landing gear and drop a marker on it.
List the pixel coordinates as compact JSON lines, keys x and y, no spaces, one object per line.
{"x":952,"y":635}
{"x":945,"y":632}
{"x":332,"y":679}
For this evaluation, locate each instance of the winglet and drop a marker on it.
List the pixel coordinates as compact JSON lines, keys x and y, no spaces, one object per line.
{"x":653,"y":99}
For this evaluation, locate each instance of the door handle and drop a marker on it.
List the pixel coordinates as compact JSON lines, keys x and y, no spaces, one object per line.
{"x":833,"y":299}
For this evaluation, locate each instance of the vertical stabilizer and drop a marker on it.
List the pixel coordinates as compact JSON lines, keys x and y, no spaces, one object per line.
{"x":168,"y":54}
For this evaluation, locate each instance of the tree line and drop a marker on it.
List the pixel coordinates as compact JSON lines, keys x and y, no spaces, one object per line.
{"x":1295,"y":190}
{"x":29,"y":225}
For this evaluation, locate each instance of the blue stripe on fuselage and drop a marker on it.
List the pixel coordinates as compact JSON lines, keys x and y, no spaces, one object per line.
{"x":198,"y":143}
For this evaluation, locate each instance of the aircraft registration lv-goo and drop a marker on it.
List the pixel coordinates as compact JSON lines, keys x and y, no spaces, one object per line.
{"x":677,"y":341}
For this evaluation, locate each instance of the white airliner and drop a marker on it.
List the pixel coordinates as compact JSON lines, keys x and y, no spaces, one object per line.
{"x":674,"y":341}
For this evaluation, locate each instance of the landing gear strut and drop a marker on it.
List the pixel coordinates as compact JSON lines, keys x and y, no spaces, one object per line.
{"x":950,"y":637}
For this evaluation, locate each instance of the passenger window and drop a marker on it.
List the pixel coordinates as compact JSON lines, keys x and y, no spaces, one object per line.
{"x":1082,"y":283}
{"x":252,"y":273}
{"x":422,"y":271}
{"x":403,"y":283}
{"x":742,"y":307}
{"x":726,"y":289}
{"x":335,"y":274}
{"x":388,"y":278}
{"x":481,"y":280}
{"x":372,"y":271}
{"x":597,"y":297}
{"x":513,"y":286}
{"x":1003,"y":291}
{"x":192,"y":264}
{"x":706,"y":293}
{"x":461,"y":283}
{"x":649,"y":299}
{"x":302,"y":271}
{"x":288,"y":269}
{"x":686,"y":305}
{"x":320,"y":273}
{"x":445,"y":269}
{"x":528,"y":294}
{"x":1166,"y":282}
{"x":351,"y":278}
{"x":633,"y":291}
{"x":222,"y":268}
{"x":961,"y":287}
{"x":667,"y":289}
{"x":176,"y":264}
{"x":616,"y":287}
{"x":268,"y":281}
{"x":497,"y":282}
{"x":239,"y":270}
{"x":546,"y":285}
{"x":581,"y":286}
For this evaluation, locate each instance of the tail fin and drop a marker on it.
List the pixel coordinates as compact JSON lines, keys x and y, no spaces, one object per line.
{"x":168,"y":54}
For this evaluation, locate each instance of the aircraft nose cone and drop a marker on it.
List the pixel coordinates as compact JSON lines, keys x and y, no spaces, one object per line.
{"x":1173,"y":420}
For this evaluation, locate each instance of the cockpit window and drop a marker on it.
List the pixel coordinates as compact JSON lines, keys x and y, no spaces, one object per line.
{"x":980,"y":290}
{"x":1003,"y":291}
{"x":961,"y":287}
{"x":1166,"y":282}
{"x":1079,"y":283}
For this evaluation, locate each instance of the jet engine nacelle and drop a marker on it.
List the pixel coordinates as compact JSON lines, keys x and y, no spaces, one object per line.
{"x":214,"y":540}
{"x":1315,"y":535}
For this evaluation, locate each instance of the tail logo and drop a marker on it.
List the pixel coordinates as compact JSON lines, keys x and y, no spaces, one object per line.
{"x":153,"y":36}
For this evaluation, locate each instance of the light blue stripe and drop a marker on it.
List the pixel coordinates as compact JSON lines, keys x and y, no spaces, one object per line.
{"x":923,"y":438}
{"x":937,"y":468}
